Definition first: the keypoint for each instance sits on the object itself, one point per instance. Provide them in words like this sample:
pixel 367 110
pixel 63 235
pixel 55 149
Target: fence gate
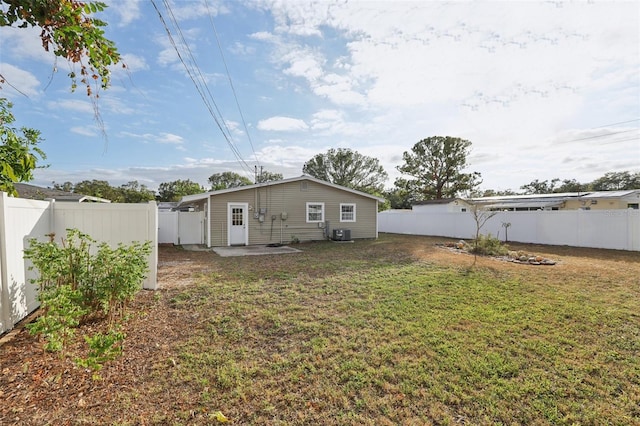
pixel 191 227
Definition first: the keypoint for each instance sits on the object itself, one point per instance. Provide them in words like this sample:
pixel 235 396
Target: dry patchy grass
pixel 391 331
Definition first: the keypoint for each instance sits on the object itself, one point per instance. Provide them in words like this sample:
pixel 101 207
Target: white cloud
pixel 282 124
pixel 291 157
pixel 263 36
pixel 133 62
pixel 85 131
pixel 128 11
pixel 170 138
pixel 72 105
pixel 24 43
pixel 18 81
pixel 161 138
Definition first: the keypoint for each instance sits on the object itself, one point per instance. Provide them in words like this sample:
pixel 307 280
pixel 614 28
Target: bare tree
pixel 480 215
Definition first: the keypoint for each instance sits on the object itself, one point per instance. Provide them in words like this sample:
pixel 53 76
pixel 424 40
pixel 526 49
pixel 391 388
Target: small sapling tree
pixel 480 216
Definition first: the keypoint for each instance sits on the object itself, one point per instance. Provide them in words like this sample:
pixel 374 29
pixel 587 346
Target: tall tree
pixel 571 185
pixel 174 190
pixel 67 186
pixel 399 198
pixel 227 180
pixel 436 165
pixel 267 176
pixel 133 192
pixel 348 168
pixel 18 150
pixel 617 181
pixel 99 188
pixel 540 187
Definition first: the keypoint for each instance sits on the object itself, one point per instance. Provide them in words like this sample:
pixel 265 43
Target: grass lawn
pixel 386 332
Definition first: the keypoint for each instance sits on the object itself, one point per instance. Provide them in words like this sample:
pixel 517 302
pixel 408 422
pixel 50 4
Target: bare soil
pixel 39 388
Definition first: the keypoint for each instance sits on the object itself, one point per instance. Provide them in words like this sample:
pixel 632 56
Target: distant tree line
pixel 432 169
pixel 134 192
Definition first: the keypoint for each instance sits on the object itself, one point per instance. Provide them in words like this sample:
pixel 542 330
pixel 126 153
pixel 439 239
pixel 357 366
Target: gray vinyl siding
pixel 291 197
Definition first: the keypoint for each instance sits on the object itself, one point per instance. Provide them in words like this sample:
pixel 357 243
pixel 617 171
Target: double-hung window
pixel 347 212
pixel 315 212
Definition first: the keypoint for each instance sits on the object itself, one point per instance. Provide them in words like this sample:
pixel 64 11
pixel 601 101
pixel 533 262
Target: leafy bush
pixel 102 348
pixel 75 284
pixel 489 246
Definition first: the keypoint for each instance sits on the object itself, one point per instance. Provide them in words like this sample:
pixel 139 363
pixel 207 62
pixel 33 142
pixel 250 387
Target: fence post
pixel 5 301
pixel 151 283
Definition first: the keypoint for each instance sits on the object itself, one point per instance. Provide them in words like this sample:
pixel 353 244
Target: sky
pixel 542 89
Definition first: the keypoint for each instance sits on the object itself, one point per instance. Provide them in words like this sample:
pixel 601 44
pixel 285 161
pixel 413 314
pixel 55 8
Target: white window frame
pixel 314 203
pixel 342 219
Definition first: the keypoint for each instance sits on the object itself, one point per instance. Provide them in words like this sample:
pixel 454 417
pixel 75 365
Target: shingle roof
pixel 34 192
pixel 205 195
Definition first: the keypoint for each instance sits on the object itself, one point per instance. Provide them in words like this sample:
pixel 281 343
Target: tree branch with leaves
pixel 68 30
pixel 19 150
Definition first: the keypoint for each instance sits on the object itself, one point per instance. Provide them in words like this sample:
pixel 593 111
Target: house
pixel 443 205
pixel 606 200
pixel 594 200
pixel 34 192
pixel 296 209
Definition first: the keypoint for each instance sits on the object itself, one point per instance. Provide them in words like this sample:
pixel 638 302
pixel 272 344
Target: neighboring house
pixel 607 200
pixel 33 192
pixel 443 205
pixel 296 209
pixel 600 200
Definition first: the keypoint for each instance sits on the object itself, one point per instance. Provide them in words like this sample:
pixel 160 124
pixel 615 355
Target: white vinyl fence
pixel 181 228
pixel 22 220
pixel 608 229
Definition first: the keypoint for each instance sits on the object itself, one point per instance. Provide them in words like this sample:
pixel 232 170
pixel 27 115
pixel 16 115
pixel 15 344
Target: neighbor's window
pixel 315 212
pixel 634 206
pixel 347 212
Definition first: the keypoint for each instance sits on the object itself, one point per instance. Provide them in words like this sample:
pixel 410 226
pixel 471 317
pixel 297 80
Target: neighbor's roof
pixel 34 192
pixel 438 201
pixel 559 195
pixel 611 194
pixel 205 195
pixel 524 204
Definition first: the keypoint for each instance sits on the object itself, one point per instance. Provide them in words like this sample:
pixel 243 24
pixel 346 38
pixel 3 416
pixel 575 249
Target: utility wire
pixel 602 136
pixel 200 85
pixel 621 140
pixel 615 124
pixel 244 123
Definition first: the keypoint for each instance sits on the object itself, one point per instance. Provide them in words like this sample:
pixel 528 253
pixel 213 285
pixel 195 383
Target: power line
pixel 233 90
pixel 601 136
pixel 201 85
pixel 615 124
pixel 621 140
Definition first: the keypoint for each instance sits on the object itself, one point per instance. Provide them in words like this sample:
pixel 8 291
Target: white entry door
pixel 237 216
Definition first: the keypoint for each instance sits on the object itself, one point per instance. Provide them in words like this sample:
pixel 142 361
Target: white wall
pixel 608 229
pixel 21 220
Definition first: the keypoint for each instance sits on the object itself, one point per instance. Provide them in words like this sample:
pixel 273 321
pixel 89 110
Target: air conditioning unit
pixel 342 234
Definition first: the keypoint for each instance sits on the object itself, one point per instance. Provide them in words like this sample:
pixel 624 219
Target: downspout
pixel 208 221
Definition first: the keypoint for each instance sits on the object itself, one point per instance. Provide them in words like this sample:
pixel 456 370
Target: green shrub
pixel 75 284
pixel 102 348
pixel 489 246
